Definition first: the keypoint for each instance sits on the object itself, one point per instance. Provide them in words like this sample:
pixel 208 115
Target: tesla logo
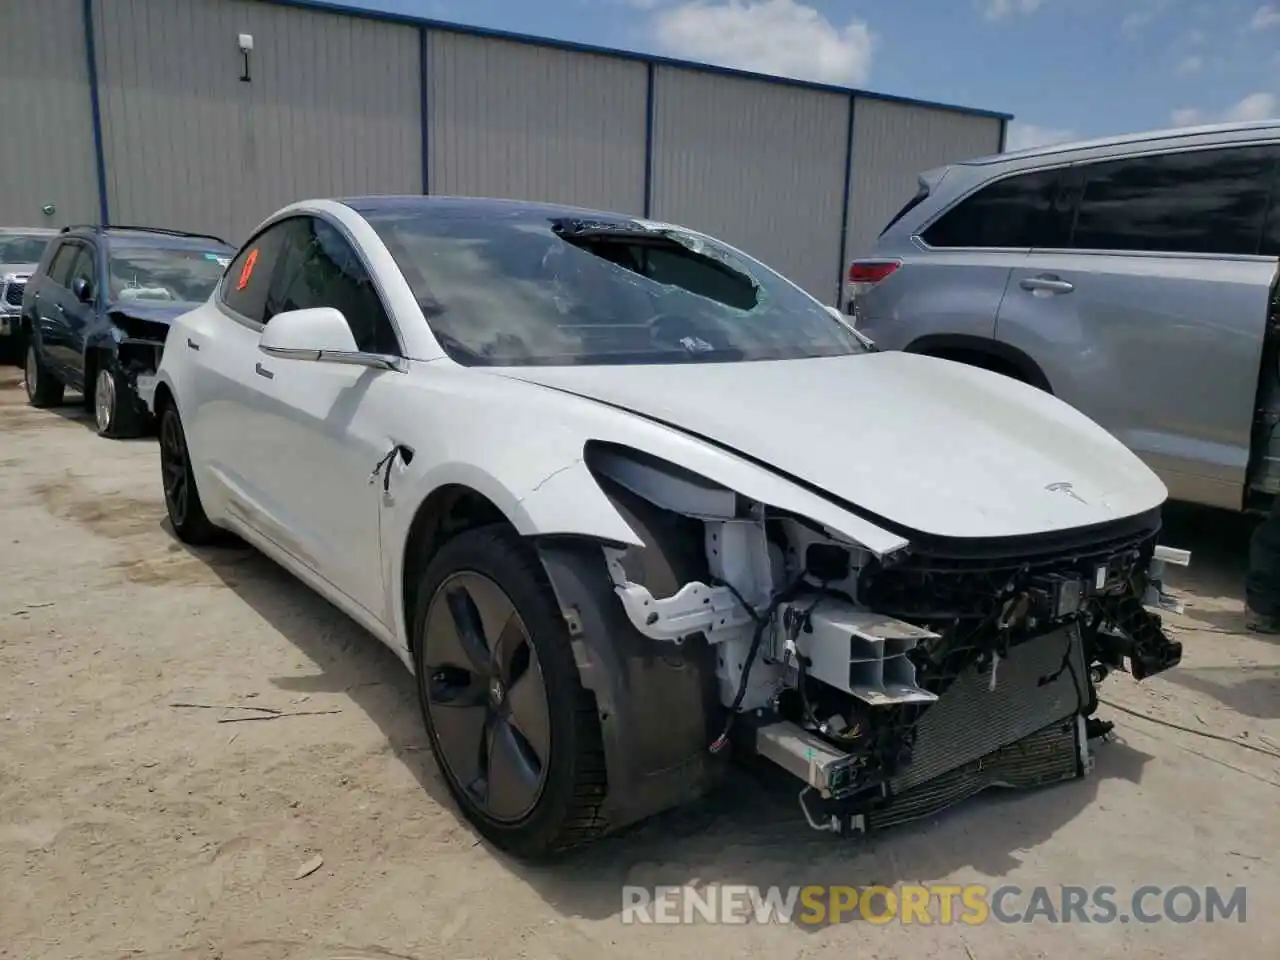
pixel 1066 488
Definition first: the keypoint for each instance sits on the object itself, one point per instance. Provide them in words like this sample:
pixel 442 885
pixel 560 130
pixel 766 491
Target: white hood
pixel 934 446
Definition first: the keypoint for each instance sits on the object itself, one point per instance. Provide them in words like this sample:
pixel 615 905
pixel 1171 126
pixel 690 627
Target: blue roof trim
pixel 844 203
pixel 99 152
pixel 324 6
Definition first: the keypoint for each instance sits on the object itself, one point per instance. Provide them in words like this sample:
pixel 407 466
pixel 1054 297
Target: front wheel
pixel 181 498
pixel 43 388
pixel 514 732
pixel 115 406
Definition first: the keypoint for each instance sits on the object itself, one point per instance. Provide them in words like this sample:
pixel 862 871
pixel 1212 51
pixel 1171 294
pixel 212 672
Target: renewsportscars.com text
pixel 932 904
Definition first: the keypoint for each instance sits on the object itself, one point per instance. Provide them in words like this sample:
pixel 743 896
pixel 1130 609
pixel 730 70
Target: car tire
pixel 514 732
pixel 181 498
pixel 43 388
pixel 116 408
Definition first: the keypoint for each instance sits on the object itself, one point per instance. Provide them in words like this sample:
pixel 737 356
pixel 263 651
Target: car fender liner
pixel 657 702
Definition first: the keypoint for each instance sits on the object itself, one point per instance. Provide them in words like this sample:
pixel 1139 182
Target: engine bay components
pixel 895 686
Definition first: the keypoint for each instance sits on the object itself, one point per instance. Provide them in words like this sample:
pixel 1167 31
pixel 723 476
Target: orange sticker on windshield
pixel 247 270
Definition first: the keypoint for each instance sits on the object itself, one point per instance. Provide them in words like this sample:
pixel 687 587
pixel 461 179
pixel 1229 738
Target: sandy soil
pixel 130 827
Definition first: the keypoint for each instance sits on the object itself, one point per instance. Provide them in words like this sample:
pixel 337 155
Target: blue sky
pixel 1064 68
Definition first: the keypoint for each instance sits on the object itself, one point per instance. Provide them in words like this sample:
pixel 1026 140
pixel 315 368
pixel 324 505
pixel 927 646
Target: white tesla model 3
pixel 628 502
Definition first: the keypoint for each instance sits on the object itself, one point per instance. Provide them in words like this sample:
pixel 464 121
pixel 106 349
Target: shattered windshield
pixel 156 273
pixel 511 290
pixel 22 248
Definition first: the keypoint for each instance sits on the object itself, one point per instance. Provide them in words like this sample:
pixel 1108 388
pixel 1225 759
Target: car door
pixel 77 315
pixel 1149 314
pixel 317 422
pixel 52 299
pixel 947 291
pixel 220 389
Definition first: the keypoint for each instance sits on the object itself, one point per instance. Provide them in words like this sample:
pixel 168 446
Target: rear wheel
pixel 514 732
pixel 43 388
pixel 181 498
pixel 115 406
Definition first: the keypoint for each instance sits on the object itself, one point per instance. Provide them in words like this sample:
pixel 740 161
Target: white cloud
pixel 1022 136
pixel 1256 106
pixel 782 37
pixel 1192 63
pixel 1003 9
pixel 1265 17
pixel 1196 37
pixel 1148 12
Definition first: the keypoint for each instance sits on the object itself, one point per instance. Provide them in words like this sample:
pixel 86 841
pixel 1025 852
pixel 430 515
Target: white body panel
pixel 288 460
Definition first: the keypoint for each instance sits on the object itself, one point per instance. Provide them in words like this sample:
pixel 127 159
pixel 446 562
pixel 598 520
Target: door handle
pixel 262 371
pixel 192 344
pixel 1049 284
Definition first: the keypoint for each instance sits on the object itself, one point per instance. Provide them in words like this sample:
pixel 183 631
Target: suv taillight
pixel 863 277
pixel 867 273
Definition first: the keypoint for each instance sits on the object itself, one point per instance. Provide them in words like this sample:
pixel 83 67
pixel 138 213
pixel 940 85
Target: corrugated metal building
pixel 146 112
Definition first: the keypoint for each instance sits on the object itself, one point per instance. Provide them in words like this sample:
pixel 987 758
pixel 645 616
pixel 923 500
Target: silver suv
pixel 1134 277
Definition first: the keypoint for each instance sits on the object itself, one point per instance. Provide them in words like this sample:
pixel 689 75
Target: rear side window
pixel 60 265
pixel 1018 211
pixel 1203 201
pixel 247 280
pixel 921 195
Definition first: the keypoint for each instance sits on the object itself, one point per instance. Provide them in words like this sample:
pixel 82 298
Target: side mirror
pixel 307 334
pixel 82 289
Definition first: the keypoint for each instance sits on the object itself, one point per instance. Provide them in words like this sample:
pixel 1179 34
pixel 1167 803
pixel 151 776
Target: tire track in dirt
pixel 139 529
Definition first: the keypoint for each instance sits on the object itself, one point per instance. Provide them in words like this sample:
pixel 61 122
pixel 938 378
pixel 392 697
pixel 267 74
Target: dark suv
pixel 96 311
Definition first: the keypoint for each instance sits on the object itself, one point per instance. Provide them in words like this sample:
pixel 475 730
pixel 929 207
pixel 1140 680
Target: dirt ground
pixel 131 827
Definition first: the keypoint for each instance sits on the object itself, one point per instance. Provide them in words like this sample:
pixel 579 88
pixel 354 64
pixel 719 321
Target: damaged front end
pixel 136 347
pixel 891 686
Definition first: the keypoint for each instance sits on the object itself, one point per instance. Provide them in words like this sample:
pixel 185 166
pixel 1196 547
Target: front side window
pixel 320 268
pixel 151 271
pixel 82 268
pixel 60 265
pixel 1203 201
pixel 526 289
pixel 248 279
pixel 1019 211
pixel 20 248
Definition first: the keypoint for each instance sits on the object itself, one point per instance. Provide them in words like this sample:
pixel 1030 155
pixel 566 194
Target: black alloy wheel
pixel 487 696
pixel 181 498
pixel 515 734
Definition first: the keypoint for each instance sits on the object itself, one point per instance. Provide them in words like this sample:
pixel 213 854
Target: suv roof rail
pixel 128 226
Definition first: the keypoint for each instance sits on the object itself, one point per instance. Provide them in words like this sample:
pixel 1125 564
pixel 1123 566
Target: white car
pixel 623 498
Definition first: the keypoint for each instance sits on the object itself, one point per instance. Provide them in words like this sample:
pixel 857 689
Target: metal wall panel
pixel 760 165
pixel 515 120
pixel 332 108
pixel 893 144
pixel 46 151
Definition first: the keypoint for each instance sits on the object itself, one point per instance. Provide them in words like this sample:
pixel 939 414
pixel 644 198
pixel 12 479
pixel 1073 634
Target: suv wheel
pixel 115 406
pixel 43 388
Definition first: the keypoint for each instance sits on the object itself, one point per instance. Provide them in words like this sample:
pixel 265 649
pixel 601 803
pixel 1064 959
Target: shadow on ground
pixel 751 831
pixel 1219 545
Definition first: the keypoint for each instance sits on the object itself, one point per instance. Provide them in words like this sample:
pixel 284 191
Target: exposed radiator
pixel 971 720
pixel 1047 756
